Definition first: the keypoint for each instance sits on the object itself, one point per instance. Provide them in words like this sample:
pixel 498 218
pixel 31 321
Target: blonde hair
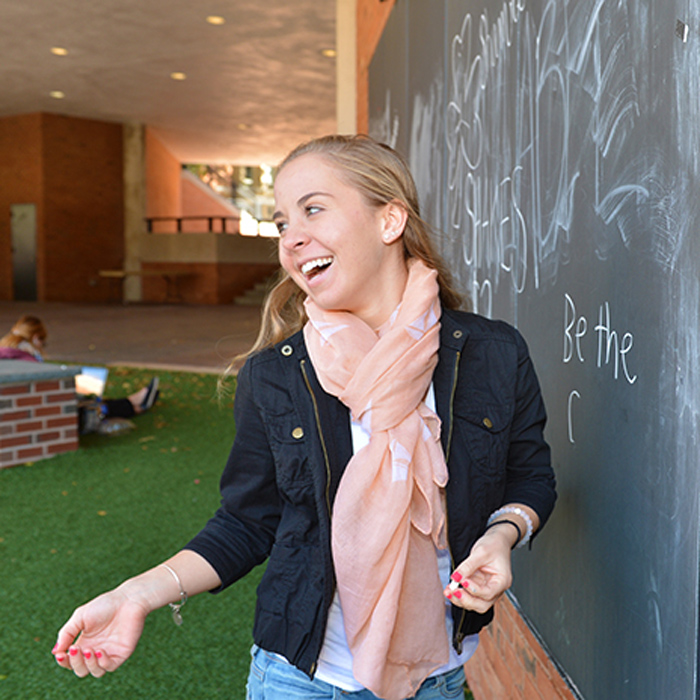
pixel 381 175
pixel 24 330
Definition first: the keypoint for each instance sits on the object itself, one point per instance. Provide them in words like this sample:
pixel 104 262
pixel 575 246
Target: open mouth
pixel 315 267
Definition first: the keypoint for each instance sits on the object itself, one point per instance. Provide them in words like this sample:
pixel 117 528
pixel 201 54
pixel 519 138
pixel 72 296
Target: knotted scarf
pixel 388 515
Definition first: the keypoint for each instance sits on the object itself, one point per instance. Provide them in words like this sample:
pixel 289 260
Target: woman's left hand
pixel 485 574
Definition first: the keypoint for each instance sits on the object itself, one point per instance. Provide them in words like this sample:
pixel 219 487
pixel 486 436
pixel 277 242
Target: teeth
pixel 307 267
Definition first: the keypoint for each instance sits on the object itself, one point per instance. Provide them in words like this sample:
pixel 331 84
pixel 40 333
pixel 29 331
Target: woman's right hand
pixel 107 631
pixel 102 634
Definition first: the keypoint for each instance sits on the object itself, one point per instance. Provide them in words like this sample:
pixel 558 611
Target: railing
pixel 221 220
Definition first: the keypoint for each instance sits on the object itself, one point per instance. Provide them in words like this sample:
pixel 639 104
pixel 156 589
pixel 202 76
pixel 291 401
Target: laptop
pixel 91 381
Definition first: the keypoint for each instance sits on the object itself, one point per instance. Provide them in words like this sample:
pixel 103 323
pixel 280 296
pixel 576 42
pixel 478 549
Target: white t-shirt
pixel 335 660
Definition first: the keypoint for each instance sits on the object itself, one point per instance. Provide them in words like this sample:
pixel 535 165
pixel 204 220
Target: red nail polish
pixel 465 583
pixel 73 651
pixel 98 654
pixel 60 659
pixel 458 594
pixel 456 576
pixel 87 654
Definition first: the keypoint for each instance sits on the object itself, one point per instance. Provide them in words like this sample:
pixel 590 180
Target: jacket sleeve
pixel 241 533
pixel 529 474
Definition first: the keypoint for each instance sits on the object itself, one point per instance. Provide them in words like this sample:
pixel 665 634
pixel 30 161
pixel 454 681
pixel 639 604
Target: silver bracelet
pixel 175 607
pixel 517 511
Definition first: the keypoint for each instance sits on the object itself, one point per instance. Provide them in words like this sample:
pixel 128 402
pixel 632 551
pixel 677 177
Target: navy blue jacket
pixel 293 441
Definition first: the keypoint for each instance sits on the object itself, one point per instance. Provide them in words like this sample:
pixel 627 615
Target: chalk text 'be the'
pixel 613 348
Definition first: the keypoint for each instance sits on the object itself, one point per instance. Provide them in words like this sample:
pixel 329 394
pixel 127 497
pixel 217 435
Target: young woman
pixel 389 454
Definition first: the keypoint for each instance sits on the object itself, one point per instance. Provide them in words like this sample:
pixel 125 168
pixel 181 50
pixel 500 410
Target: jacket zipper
pixel 312 670
pixel 458 634
pixel 452 404
pixel 320 433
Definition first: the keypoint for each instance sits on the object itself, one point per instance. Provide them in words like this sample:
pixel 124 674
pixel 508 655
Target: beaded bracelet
pixel 175 607
pixel 516 511
pixel 507 522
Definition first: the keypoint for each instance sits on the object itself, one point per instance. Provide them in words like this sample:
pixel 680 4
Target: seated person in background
pixel 26 341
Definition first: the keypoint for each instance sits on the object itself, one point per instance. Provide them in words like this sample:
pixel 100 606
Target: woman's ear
pixel 393 222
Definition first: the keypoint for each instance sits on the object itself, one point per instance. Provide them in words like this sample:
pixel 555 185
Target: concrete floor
pixel 192 338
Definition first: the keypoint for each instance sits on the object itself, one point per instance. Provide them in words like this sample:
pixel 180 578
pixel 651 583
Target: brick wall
pixel 38 419
pixel 72 170
pixel 82 166
pixel 206 283
pixel 20 183
pixel 511 664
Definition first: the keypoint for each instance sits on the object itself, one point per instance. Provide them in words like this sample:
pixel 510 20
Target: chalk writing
pixel 608 339
pixel 570 414
pixel 612 348
pixel 513 163
pixel 573 335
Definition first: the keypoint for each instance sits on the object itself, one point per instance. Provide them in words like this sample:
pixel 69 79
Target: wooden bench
pixel 171 277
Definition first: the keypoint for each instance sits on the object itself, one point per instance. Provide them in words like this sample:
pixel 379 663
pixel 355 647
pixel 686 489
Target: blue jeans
pixel 273 679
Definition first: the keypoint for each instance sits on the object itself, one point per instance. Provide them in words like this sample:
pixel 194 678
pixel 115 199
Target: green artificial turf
pixel 80 523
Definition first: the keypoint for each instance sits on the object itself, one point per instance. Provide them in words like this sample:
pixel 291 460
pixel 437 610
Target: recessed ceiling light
pixel 215 19
pixel 59 51
pixel 178 76
pixel 57 94
pixel 329 53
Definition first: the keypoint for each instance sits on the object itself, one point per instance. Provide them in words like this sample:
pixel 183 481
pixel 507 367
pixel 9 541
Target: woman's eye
pixel 281 227
pixel 312 209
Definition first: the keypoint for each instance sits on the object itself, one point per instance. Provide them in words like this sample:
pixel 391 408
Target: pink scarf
pixel 388 514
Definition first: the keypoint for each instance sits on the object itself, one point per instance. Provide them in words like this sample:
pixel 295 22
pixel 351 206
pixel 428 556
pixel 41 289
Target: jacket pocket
pixel 485 429
pixel 289 445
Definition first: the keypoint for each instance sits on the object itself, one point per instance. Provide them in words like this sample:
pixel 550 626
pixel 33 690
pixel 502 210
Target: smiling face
pixel 342 252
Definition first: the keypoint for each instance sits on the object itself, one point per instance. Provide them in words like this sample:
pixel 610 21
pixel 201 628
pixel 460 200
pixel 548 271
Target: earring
pixel 389 236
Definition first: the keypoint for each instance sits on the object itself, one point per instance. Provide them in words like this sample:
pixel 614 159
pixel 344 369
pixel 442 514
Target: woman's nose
pixel 294 237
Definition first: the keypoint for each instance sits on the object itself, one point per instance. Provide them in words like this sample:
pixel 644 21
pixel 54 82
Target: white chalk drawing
pixel 385 128
pixel 538 114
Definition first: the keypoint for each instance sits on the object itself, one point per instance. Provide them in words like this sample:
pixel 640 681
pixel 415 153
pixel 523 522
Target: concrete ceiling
pixel 256 85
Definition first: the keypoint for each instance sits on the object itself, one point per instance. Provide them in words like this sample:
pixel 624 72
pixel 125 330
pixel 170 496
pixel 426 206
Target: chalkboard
pixel 555 145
